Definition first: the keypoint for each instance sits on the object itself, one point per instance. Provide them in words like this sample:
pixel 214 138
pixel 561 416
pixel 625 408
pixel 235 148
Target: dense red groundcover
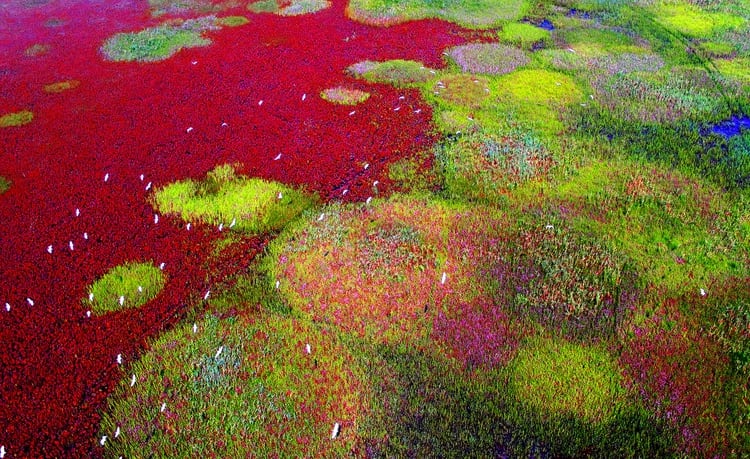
pixel 126 119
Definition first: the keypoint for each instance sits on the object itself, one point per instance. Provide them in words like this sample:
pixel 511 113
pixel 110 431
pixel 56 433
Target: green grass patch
pixel 480 14
pixel 299 7
pixel 488 58
pixel 241 386
pixel 695 22
pixel 124 287
pixel 263 6
pixel 16 119
pixel 4 184
pixel 37 49
pixel 591 42
pixel 232 21
pixel 250 205
pixel 524 35
pixel 397 72
pixel 559 378
pixel 158 43
pixel 344 96
pixel 61 86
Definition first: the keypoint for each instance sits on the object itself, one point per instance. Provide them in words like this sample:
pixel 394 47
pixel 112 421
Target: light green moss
pixel 694 21
pixel 4 184
pixel 61 86
pixel 158 43
pixel 559 378
pixel 16 119
pixel 263 6
pixel 126 286
pixel 397 72
pixel 524 35
pixel 232 21
pixel 238 203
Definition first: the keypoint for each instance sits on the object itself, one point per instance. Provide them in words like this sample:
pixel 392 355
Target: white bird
pixel 418 111
pixel 161 266
pixel 304 96
pixel 7 307
pixel 119 359
pixel 70 244
pixel 278 157
pixel 49 249
pixel 122 300
pixel 194 62
pixel 78 212
pixel 279 196
pixel 103 440
pixel 91 297
pixel 368 200
pixel 352 112
pixel 195 328
pixel 703 292
pixel 88 313
pixel 205 297
pixel 278 284
pixel 221 226
pixel 156 218
pixel 117 432
pixel 260 102
pixel 344 192
pixel 86 236
pixel 30 301
pixel 308 349
pixel 375 183
pixel 106 176
pixel 397 109
pixel 132 380
pixel 148 187
pixel 335 431
pixel 402 98
pixel 366 165
pixel 549 227
pixel 190 129
pixel 141 177
pixel 2 451
pixel 163 407
pixel 188 227
pixel 442 280
pixel 218 353
pixel 322 216
pixel 224 125
pixel 140 289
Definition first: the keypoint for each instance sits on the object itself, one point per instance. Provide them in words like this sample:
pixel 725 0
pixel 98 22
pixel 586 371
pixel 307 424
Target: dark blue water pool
pixel 546 24
pixel 734 126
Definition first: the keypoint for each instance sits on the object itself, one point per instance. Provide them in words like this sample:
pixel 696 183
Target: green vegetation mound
pixel 16 119
pixel 488 58
pixel 250 205
pixel 126 286
pixel 525 35
pixel 693 21
pixel 4 184
pixel 480 14
pixel 396 72
pixel 239 387
pixel 293 8
pixel 61 86
pixel 344 96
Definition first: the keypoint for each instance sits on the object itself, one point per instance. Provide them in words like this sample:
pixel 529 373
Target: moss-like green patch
pixel 463 90
pixel 178 7
pixel 61 86
pixel 396 72
pixel 591 42
pixel 472 13
pixel 525 35
pixel 488 58
pixel 288 8
pixel 384 271
pixel 232 21
pixel 16 119
pixel 694 21
pixel 158 43
pixel 244 386
pixel 263 6
pixel 126 286
pixel 238 203
pixel 344 96
pixel 562 379
pixel 4 184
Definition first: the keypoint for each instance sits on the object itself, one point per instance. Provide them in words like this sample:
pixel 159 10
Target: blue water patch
pixel 732 127
pixel 546 24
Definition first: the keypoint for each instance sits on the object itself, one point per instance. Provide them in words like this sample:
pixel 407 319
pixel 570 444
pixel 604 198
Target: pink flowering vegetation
pixel 249 385
pixel 488 58
pixel 680 366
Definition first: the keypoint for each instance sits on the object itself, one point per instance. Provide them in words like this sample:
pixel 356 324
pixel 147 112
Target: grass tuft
pixel 344 96
pixel 61 86
pixel 396 72
pixel 525 35
pixel 479 14
pixel 135 283
pixel 16 119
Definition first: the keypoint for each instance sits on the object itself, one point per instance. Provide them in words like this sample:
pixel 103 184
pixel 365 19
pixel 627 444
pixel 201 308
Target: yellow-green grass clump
pixel 125 286
pixel 480 14
pixel 164 7
pixel 250 205
pixel 344 96
pixel 232 21
pixel 462 89
pixel 245 386
pixel 61 86
pixel 16 118
pixel 36 50
pixel 4 184
pixel 159 42
pixel 561 379
pixel 485 166
pixel 525 35
pixel 536 96
pixel 593 42
pixel 693 21
pixel 397 72
pixel 293 8
pixel 385 271
pixel 681 234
